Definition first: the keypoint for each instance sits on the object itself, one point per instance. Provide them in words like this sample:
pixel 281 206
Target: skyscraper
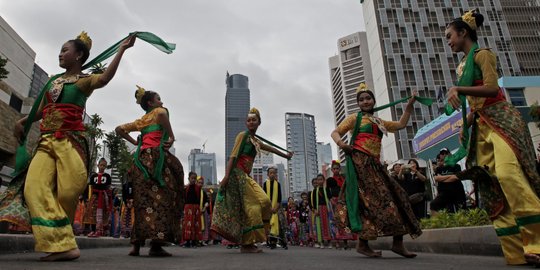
pixel 236 109
pixel 350 67
pixel 204 164
pixel 324 155
pixel 302 140
pixel 408 51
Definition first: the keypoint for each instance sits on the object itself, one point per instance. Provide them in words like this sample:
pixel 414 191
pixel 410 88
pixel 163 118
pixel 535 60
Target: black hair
pixel 313 180
pixel 415 162
pixel 148 95
pixel 320 175
pixel 192 173
pixel 460 25
pixel 102 159
pixel 81 47
pixel 270 168
pixel 303 193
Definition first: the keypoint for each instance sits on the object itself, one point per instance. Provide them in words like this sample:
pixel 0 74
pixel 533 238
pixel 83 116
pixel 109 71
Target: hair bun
pixel 478 18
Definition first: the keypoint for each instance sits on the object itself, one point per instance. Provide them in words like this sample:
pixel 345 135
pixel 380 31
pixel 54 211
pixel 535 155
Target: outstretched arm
pixel 122 133
pixel 407 114
pixel 107 76
pixel 271 149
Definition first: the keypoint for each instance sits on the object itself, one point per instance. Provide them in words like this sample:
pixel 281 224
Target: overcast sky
pixel 283 47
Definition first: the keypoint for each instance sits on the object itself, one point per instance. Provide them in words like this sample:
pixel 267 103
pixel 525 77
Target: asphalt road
pixel 218 257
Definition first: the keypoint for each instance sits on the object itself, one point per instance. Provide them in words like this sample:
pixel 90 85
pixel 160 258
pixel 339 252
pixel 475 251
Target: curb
pixel 23 243
pixel 480 240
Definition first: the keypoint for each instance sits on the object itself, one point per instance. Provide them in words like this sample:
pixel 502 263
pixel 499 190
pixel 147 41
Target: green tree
pixel 94 133
pixel 98 68
pixel 3 71
pixel 121 158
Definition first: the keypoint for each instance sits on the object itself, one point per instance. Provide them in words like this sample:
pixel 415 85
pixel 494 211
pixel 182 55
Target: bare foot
pixel 62 256
pixel 134 250
pixel 250 249
pixel 401 250
pixel 158 251
pixel 364 249
pixel 533 259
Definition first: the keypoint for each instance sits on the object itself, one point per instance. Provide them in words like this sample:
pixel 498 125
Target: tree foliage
pixel 3 70
pixel 94 133
pixel 121 158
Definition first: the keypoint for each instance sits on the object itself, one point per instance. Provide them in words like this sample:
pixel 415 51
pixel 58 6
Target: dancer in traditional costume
pixel 157 176
pixel 242 208
pixel 322 212
pixel 98 209
pixel 272 188
pixel 205 204
pixel 304 220
pixel 193 222
pixel 57 174
pixel 376 203
pixel 500 140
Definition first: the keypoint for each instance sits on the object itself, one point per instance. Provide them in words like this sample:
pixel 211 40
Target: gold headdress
pixel 255 112
pixel 469 19
pixel 83 36
pixel 139 94
pixel 362 87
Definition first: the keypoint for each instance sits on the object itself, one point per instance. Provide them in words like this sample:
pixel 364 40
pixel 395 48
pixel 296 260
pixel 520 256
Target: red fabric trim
pixel 245 162
pixel 71 117
pixel 360 140
pixel 339 179
pixel 491 100
pixel 152 139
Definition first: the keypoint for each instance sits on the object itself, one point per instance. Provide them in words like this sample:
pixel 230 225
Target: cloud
pixel 282 46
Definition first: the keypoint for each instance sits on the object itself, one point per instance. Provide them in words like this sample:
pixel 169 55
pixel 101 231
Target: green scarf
pixel 351 186
pixel 22 159
pixel 466 79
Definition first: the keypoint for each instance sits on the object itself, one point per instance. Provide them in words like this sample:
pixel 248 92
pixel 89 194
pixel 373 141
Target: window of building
pixel 15 102
pixel 517 97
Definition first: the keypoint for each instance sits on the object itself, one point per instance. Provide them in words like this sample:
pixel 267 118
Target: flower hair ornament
pixel 139 94
pixel 469 18
pixel 83 36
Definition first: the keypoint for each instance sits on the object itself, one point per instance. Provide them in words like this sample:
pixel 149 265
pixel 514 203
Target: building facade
pixel 237 103
pixel 350 67
pixel 302 140
pixel 204 164
pixel 324 156
pixel 408 51
pixel 17 93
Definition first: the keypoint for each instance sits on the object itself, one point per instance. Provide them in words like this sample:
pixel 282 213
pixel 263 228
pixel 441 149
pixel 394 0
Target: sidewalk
pixel 22 243
pixel 466 240
pixel 480 240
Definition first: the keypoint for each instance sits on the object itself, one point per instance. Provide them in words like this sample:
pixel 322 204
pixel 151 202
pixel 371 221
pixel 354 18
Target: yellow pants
pixel 518 226
pixel 56 177
pixel 257 209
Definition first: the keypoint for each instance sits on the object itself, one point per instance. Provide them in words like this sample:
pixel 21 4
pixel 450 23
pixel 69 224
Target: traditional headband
pixel 362 88
pixel 469 18
pixel 83 36
pixel 254 111
pixel 336 162
pixel 139 94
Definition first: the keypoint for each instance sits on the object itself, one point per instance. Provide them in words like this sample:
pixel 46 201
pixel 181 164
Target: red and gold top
pixel 150 139
pixel 245 153
pixel 370 135
pixel 65 101
pixel 485 74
